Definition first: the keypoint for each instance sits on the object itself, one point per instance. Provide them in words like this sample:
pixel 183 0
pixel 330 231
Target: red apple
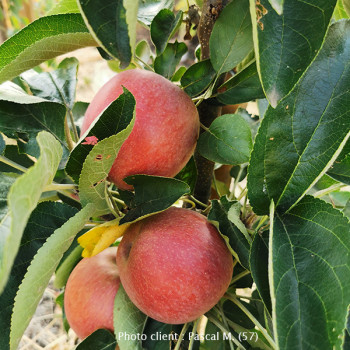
pixel 90 292
pixel 166 125
pixel 174 265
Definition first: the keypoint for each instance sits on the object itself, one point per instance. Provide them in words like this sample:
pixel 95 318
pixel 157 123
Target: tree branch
pixel 207 112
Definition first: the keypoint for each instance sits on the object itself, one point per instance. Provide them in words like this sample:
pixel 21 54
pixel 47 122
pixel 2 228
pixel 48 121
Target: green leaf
pixel 189 174
pixel 100 339
pixel 242 87
pixel 67 266
pixel 198 77
pixel 227 141
pixel 154 328
pixel 258 261
pixel 153 194
pixel 119 36
pixel 277 5
pixel 143 51
pixel 6 181
pixel 11 152
pixel 231 39
pixel 40 271
pixel 92 183
pixel 23 116
pixel 148 9
pixel 236 315
pixel 115 118
pixel 45 38
pixel 64 6
pixel 341 171
pixel 58 85
pixel 346 4
pixel 44 220
pixel 23 198
pixel 166 63
pixel 128 319
pixel 178 74
pixel 294 148
pixel 163 27
pixel 234 238
pixel 339 12
pixel 286 44
pixel 307 277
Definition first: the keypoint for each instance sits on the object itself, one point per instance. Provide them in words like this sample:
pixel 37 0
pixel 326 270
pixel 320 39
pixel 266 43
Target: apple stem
pixel 252 318
pixel 193 205
pixel 223 329
pixel 181 336
pixel 221 310
pixel 12 164
pixel 261 222
pixel 194 330
pixel 235 183
pixel 199 202
pixel 112 205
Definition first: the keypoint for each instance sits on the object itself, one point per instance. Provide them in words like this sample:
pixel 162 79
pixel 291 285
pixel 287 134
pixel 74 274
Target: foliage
pixel 286 209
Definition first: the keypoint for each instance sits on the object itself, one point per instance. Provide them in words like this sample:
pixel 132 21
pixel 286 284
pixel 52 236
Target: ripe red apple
pixel 174 265
pixel 166 125
pixel 90 292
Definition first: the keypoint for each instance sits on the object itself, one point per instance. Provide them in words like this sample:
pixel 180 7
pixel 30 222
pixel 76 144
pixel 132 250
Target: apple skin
pixel 90 292
pixel 174 265
pixel 166 125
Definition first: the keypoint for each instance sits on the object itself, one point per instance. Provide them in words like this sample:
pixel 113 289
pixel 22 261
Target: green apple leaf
pixel 198 77
pixel 63 271
pixel 189 174
pixel 128 319
pixel 45 38
pixel 58 85
pixel 148 9
pixel 100 339
pixel 258 261
pixel 339 12
pixel 277 5
pixel 166 63
pixel 23 116
pixel 346 4
pixel 153 194
pixel 306 277
pixel 115 118
pixel 341 171
pixel 151 330
pixel 6 181
pixel 118 38
pixel 231 39
pixel 227 141
pixel 11 153
pixel 164 25
pixel 178 74
pixel 242 87
pixel 64 6
pixel 43 221
pixel 98 163
pixel 23 198
pixel 286 44
pixel 234 238
pixel 300 139
pixel 40 271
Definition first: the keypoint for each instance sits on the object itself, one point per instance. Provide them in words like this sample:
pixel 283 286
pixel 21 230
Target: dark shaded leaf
pixel 198 77
pixel 306 277
pixel 163 27
pixel 148 9
pixel 242 87
pixel 286 44
pixel 300 139
pixel 188 174
pixel 238 244
pixel 166 63
pixel 153 194
pixel 100 339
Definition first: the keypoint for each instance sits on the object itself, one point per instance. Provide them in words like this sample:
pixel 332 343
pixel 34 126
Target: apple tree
pixel 269 81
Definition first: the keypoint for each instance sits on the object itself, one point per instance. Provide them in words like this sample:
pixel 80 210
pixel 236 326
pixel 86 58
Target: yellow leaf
pixel 101 237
